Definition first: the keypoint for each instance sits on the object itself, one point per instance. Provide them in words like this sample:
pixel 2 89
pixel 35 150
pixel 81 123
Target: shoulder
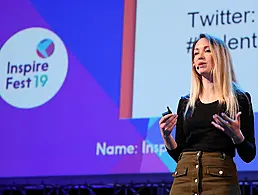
pixel 183 101
pixel 244 100
pixel 243 97
pixel 185 97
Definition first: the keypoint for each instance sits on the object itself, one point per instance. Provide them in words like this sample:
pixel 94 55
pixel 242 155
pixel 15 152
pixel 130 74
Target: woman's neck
pixel 208 94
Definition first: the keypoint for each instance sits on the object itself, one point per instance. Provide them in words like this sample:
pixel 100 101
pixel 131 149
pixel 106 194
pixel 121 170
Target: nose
pixel 201 55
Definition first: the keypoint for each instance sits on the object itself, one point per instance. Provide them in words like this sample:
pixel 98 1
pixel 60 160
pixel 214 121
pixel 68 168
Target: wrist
pixel 166 136
pixel 238 138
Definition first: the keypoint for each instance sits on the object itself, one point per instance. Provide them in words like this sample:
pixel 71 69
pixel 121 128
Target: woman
pixel 213 122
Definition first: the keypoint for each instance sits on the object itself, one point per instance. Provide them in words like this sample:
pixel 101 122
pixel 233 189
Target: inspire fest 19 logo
pixel 45 49
pixel 33 67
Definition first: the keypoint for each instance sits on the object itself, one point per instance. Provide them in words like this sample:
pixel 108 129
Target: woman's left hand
pixel 229 126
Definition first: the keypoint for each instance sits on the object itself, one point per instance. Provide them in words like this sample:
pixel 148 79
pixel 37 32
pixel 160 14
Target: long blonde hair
pixel 224 79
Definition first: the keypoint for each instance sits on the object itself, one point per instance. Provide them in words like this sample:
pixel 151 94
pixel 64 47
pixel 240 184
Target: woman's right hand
pixel 167 123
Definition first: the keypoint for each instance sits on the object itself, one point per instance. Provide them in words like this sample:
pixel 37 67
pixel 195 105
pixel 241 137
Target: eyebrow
pixel 203 47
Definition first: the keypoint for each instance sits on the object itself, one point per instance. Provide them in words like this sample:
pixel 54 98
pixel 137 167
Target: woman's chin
pixel 205 74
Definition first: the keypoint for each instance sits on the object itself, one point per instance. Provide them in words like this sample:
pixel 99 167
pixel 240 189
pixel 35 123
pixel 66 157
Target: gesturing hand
pixel 167 123
pixel 229 126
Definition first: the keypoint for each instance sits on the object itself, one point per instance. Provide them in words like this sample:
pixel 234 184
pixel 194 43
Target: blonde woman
pixel 212 123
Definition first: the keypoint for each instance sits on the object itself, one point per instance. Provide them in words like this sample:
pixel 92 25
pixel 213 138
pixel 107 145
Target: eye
pixel 196 53
pixel 208 50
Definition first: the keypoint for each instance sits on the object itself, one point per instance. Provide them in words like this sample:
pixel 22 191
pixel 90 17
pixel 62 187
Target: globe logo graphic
pixel 45 48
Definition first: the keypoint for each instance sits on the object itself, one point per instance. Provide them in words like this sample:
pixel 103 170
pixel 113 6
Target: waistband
pixel 203 154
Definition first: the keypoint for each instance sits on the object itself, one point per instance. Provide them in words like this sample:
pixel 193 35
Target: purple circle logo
pixel 45 48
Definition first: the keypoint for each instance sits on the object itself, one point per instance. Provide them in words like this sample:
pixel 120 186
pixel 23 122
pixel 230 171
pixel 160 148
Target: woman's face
pixel 203 59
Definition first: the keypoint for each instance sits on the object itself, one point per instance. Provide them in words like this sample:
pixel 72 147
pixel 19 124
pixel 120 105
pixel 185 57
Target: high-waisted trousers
pixel 205 173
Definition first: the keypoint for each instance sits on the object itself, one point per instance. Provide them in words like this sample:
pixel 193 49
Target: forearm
pixel 169 142
pixel 246 150
pixel 245 141
pixel 175 145
pixel 172 147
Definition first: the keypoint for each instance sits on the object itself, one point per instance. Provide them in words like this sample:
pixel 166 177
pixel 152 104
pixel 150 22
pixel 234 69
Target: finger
pixel 226 118
pixel 163 125
pixel 169 127
pixel 171 119
pixel 238 116
pixel 216 119
pixel 168 122
pixel 164 118
pixel 172 124
pixel 174 121
pixel 220 120
pixel 217 126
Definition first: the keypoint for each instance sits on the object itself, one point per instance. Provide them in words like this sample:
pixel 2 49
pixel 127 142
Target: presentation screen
pixel 82 93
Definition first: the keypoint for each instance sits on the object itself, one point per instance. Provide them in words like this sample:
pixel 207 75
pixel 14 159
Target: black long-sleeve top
pixel 195 132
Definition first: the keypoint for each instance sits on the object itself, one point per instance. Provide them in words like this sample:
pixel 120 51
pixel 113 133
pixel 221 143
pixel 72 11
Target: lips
pixel 201 63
